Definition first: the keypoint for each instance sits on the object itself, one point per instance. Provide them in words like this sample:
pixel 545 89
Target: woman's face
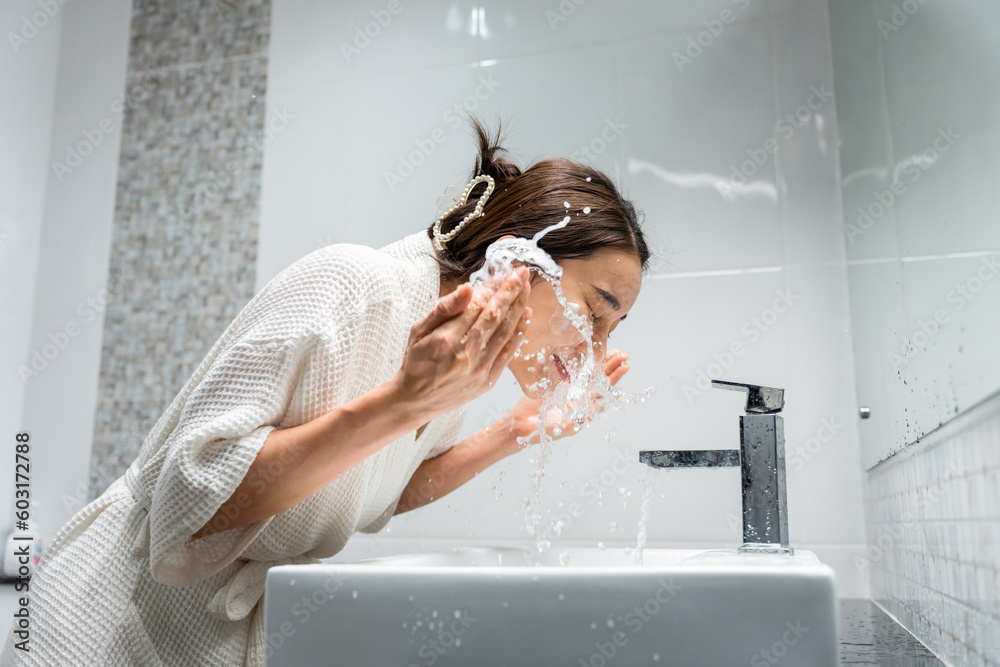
pixel 604 287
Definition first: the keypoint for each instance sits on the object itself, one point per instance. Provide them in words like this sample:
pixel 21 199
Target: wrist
pixel 504 435
pixel 414 411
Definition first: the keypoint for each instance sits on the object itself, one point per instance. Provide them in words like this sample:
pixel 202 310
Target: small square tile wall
pixel 184 240
pixel 933 518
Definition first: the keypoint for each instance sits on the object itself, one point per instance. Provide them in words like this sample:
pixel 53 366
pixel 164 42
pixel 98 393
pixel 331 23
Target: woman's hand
pixel 458 350
pixel 522 420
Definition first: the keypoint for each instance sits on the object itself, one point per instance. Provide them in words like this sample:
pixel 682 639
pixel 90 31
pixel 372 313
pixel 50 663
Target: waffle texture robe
pixel 119 586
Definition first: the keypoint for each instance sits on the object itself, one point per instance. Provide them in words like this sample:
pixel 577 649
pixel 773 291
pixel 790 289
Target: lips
pixel 560 367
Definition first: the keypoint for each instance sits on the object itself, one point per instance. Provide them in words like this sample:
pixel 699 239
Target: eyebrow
pixel 611 299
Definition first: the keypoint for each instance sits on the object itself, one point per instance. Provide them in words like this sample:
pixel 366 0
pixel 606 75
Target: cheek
pixel 550 330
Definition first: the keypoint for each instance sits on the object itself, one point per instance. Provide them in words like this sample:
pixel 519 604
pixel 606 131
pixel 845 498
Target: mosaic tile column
pixel 184 241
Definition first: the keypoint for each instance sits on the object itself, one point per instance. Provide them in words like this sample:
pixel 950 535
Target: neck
pixel 447 287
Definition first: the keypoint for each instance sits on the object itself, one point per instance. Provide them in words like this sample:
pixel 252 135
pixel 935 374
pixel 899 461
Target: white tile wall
pixel 933 556
pixel 681 131
pixel 28 79
pixel 73 235
pixel 919 147
pixel 918 106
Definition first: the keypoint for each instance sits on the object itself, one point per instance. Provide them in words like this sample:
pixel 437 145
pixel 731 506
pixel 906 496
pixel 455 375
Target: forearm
pixel 446 472
pixel 294 463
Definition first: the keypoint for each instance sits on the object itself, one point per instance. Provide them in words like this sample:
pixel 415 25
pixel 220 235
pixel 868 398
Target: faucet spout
pixel 698 458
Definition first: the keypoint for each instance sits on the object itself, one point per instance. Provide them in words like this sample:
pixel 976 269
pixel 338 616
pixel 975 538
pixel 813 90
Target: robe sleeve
pixel 242 397
pixel 221 430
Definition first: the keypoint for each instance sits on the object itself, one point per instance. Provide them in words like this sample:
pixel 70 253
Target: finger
pixel 511 322
pixel 493 314
pixel 446 308
pixel 618 373
pixel 614 361
pixel 505 354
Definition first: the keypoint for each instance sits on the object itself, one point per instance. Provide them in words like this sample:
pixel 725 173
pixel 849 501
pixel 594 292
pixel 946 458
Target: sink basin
pixel 585 607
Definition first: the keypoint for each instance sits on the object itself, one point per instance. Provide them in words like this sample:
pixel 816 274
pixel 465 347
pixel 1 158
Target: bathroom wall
pixel 28 77
pixel 61 134
pixel 918 103
pixel 719 120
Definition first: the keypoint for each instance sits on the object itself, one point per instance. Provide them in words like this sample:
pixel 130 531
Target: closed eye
pixel 595 318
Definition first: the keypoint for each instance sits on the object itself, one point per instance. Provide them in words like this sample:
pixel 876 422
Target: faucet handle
pixel 760 400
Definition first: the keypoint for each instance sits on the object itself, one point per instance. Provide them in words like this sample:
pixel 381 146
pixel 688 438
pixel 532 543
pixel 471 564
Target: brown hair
pixel 525 203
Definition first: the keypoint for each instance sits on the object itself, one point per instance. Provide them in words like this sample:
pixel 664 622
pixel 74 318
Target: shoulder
pixel 318 293
pixel 337 276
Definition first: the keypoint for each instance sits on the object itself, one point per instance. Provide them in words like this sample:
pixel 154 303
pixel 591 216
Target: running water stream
pixel 645 479
pixel 576 400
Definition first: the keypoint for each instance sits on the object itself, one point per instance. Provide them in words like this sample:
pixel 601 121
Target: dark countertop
pixel 868 636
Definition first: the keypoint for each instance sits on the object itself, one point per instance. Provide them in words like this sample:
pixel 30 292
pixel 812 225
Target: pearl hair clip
pixel 441 239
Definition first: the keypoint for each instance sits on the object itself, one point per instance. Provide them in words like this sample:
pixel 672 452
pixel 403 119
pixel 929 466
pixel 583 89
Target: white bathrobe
pixel 119 586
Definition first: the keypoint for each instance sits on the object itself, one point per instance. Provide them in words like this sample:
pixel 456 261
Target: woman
pixel 331 403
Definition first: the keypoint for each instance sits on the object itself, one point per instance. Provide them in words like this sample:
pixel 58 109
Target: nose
pixel 600 342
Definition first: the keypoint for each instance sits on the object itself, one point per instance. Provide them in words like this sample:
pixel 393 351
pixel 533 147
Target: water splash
pixel 575 400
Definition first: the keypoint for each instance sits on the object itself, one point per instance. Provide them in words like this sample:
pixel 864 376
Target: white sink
pixel 498 607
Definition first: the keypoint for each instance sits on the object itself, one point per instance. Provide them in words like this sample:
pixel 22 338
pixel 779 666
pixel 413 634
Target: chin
pixel 532 393
pixel 525 382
